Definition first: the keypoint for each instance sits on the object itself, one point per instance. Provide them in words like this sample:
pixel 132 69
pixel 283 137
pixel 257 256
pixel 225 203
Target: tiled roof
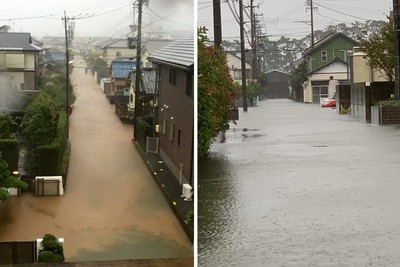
pixel 17 41
pixel 121 68
pixel 179 53
pixel 148 83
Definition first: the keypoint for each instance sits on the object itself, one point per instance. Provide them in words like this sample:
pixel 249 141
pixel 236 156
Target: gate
pixel 47 187
pixel 17 252
pixel 151 145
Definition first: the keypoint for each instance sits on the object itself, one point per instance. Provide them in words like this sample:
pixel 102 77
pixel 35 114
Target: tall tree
pixel 215 93
pixel 380 49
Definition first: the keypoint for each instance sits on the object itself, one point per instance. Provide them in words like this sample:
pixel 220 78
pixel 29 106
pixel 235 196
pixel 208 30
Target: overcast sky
pixel 98 17
pixel 290 18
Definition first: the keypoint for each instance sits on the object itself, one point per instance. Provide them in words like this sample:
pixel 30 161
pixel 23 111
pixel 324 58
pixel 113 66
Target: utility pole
pixel 66 72
pixel 243 57
pixel 253 42
pixel 217 23
pixel 138 69
pixel 310 3
pixel 396 24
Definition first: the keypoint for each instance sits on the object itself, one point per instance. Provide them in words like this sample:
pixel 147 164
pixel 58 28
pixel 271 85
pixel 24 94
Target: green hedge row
pixel 51 157
pixel 10 152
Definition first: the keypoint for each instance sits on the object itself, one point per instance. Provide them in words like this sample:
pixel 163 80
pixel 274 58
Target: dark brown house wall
pixel 278 85
pixel 176 116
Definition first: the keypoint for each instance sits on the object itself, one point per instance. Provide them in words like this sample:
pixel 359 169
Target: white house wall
pixel 233 63
pixel 332 73
pixel 111 53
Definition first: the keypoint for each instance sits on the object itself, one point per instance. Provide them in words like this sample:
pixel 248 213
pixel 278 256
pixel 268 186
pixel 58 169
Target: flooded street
pixel 297 185
pixel 113 208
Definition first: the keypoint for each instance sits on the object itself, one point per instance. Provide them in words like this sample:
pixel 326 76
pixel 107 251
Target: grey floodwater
pixel 297 185
pixel 113 209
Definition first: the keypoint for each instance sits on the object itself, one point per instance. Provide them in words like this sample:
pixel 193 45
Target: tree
pixel 380 49
pixel 54 86
pixel 7 180
pixel 52 251
pixel 253 91
pixel 38 127
pixel 5 126
pixel 297 77
pixel 215 93
pixel 263 84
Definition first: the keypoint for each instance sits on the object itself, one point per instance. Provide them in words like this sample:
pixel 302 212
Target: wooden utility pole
pixel 138 69
pixel 243 57
pixel 396 25
pixel 217 23
pixel 254 68
pixel 310 3
pixel 66 73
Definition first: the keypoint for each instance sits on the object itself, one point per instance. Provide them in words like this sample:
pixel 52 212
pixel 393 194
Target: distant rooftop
pixel 179 53
pixel 17 41
pixel 121 68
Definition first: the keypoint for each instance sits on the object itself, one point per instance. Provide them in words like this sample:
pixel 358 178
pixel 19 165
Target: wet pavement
pixel 297 185
pixel 113 209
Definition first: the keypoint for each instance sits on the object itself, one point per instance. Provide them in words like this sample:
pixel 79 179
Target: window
pixel 237 74
pixel 180 137
pixel 172 76
pixel 172 133
pixel 118 54
pixel 324 56
pixel 164 127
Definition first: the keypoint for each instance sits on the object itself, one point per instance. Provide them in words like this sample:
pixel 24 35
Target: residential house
pixel 278 84
pixel 120 70
pixel 368 86
pixel 19 66
pixel 147 99
pixel 118 49
pixel 175 113
pixel 150 46
pixel 327 66
pixel 235 67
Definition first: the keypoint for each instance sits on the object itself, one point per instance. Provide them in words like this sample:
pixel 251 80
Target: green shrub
pixel 52 251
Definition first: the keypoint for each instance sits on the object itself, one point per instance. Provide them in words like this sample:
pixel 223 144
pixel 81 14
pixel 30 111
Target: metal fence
pixel 21 252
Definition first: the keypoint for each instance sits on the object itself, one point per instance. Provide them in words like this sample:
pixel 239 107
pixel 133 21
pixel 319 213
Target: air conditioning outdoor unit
pixel 187 192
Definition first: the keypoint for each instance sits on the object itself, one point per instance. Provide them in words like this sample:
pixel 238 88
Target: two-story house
pixel 175 114
pixel 116 50
pixel 235 67
pixel 327 66
pixel 19 66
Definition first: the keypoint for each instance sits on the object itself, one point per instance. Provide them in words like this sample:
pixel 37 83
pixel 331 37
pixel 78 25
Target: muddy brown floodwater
pixel 112 209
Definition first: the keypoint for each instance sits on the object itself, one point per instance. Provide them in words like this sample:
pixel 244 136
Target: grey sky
pixel 104 17
pixel 290 18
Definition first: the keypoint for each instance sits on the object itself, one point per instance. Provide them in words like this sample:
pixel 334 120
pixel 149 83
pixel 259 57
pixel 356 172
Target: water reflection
pixel 297 185
pixel 217 207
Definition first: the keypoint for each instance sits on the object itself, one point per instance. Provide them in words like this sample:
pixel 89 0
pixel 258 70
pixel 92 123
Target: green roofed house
pixel 327 66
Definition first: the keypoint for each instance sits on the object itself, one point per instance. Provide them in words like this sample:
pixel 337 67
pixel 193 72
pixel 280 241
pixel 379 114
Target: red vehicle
pixel 329 103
